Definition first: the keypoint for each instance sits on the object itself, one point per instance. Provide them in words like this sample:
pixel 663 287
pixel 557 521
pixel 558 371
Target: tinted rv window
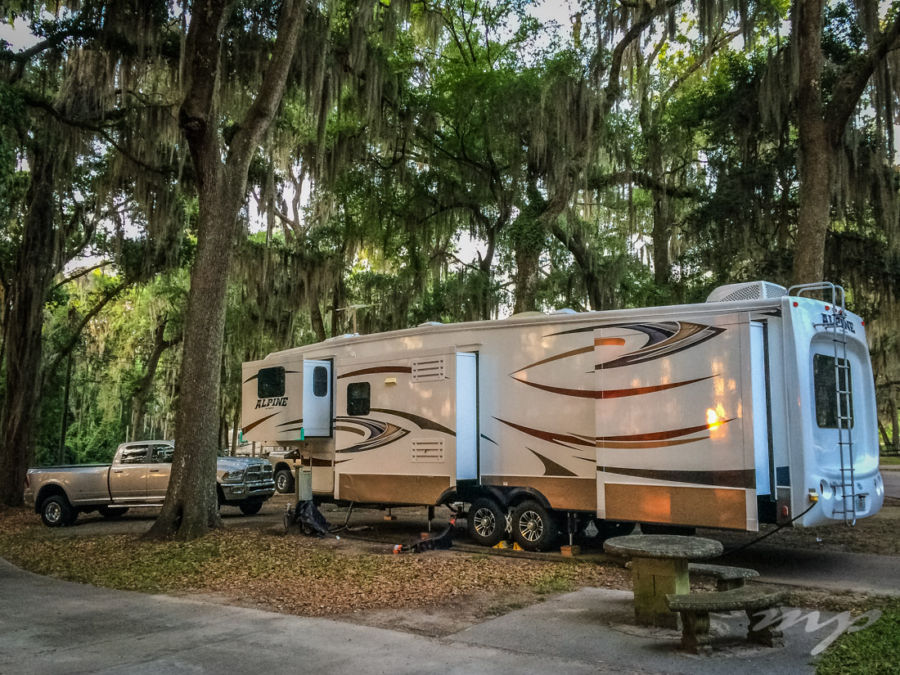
pixel 320 381
pixel 832 385
pixel 358 398
pixel 270 383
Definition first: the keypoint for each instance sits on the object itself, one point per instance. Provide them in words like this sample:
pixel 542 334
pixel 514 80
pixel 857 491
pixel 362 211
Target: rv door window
pixel 320 381
pixel 270 382
pixel 830 383
pixel 358 398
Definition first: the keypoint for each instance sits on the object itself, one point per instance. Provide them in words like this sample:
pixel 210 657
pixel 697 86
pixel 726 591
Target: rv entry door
pixel 317 396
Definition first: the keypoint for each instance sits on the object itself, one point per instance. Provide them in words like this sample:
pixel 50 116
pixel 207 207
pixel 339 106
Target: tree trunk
pixel 191 506
pixel 315 316
pixel 32 275
pixel 190 509
pixel 814 148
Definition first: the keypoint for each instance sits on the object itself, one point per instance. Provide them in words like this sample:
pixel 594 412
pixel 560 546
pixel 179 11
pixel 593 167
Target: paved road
pixel 49 626
pixel 891 479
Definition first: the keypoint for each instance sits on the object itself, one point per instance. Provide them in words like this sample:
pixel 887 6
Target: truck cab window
pixel 270 382
pixel 832 385
pixel 161 454
pixel 358 398
pixel 134 456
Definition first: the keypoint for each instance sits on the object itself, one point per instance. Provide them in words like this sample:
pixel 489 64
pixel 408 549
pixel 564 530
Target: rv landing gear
pixel 533 528
pixel 486 522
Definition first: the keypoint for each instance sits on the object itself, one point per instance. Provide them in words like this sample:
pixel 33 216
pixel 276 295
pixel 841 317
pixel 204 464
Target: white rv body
pixel 713 415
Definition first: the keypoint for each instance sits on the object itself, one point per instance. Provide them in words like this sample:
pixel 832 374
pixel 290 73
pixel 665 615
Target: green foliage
pixel 872 650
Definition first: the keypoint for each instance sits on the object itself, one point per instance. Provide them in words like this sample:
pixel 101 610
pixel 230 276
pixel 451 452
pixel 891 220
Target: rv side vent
pixel 427 450
pixel 751 290
pixel 428 370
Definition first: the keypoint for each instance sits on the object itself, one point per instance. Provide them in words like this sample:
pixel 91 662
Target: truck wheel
pixel 56 511
pixel 250 508
pixel 284 481
pixel 111 513
pixel 534 529
pixel 486 522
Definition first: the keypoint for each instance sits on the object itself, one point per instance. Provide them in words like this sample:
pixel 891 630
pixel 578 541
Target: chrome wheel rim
pixel 281 482
pixel 484 522
pixel 531 526
pixel 53 512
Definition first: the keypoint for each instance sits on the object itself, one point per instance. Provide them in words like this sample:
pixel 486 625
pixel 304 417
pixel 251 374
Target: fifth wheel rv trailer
pixel 757 406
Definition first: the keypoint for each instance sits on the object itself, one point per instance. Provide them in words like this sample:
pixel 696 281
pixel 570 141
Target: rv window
pixel 320 381
pixel 358 398
pixel 829 386
pixel 270 383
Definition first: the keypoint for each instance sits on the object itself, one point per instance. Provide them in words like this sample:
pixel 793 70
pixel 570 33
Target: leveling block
pixel 514 546
pixel 442 541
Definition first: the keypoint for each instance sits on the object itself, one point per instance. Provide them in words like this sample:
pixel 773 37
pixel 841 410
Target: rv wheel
pixel 533 527
pixel 284 481
pixel 486 522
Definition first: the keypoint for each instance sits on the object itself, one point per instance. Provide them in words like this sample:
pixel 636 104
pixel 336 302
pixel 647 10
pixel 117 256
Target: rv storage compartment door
pixel 271 405
pixel 674 422
pixel 316 399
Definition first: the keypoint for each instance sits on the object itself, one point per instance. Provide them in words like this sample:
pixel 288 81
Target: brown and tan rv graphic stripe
pixel 655 439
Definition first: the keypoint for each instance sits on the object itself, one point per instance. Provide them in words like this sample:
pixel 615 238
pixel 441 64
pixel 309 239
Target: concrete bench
pixel 726 577
pixel 695 608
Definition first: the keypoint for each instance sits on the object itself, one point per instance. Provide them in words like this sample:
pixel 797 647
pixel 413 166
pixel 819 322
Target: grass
pixel 889 460
pixel 873 650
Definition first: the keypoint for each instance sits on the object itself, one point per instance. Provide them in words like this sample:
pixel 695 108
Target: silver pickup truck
pixel 138 477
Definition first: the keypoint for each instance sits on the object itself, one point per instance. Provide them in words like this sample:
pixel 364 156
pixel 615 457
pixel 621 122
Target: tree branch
pixel 854 78
pixel 76 335
pixel 80 273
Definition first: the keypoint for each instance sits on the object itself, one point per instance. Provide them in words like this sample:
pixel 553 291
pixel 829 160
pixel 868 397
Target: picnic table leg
pixel 653 578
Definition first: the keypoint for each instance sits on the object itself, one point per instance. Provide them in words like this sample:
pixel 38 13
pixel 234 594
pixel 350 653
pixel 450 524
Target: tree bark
pixel 190 509
pixel 31 277
pixel 815 153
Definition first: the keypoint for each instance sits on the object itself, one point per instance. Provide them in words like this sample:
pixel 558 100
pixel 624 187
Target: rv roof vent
pixel 564 310
pixel 750 290
pixel 430 323
pixel 342 337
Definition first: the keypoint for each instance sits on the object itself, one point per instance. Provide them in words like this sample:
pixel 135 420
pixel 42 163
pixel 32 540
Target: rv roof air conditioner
pixel 750 290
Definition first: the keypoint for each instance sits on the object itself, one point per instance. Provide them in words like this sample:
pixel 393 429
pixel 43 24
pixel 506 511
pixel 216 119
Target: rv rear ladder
pixel 847 506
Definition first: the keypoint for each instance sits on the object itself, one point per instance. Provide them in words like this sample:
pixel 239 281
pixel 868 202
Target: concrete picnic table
pixel 659 565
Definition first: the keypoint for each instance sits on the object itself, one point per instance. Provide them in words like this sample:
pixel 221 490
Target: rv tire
pixel 533 526
pixel 486 522
pixel 284 481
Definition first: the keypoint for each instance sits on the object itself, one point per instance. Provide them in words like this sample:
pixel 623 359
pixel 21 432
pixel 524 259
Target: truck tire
pixel 284 481
pixel 56 511
pixel 110 513
pixel 250 508
pixel 533 527
pixel 486 522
